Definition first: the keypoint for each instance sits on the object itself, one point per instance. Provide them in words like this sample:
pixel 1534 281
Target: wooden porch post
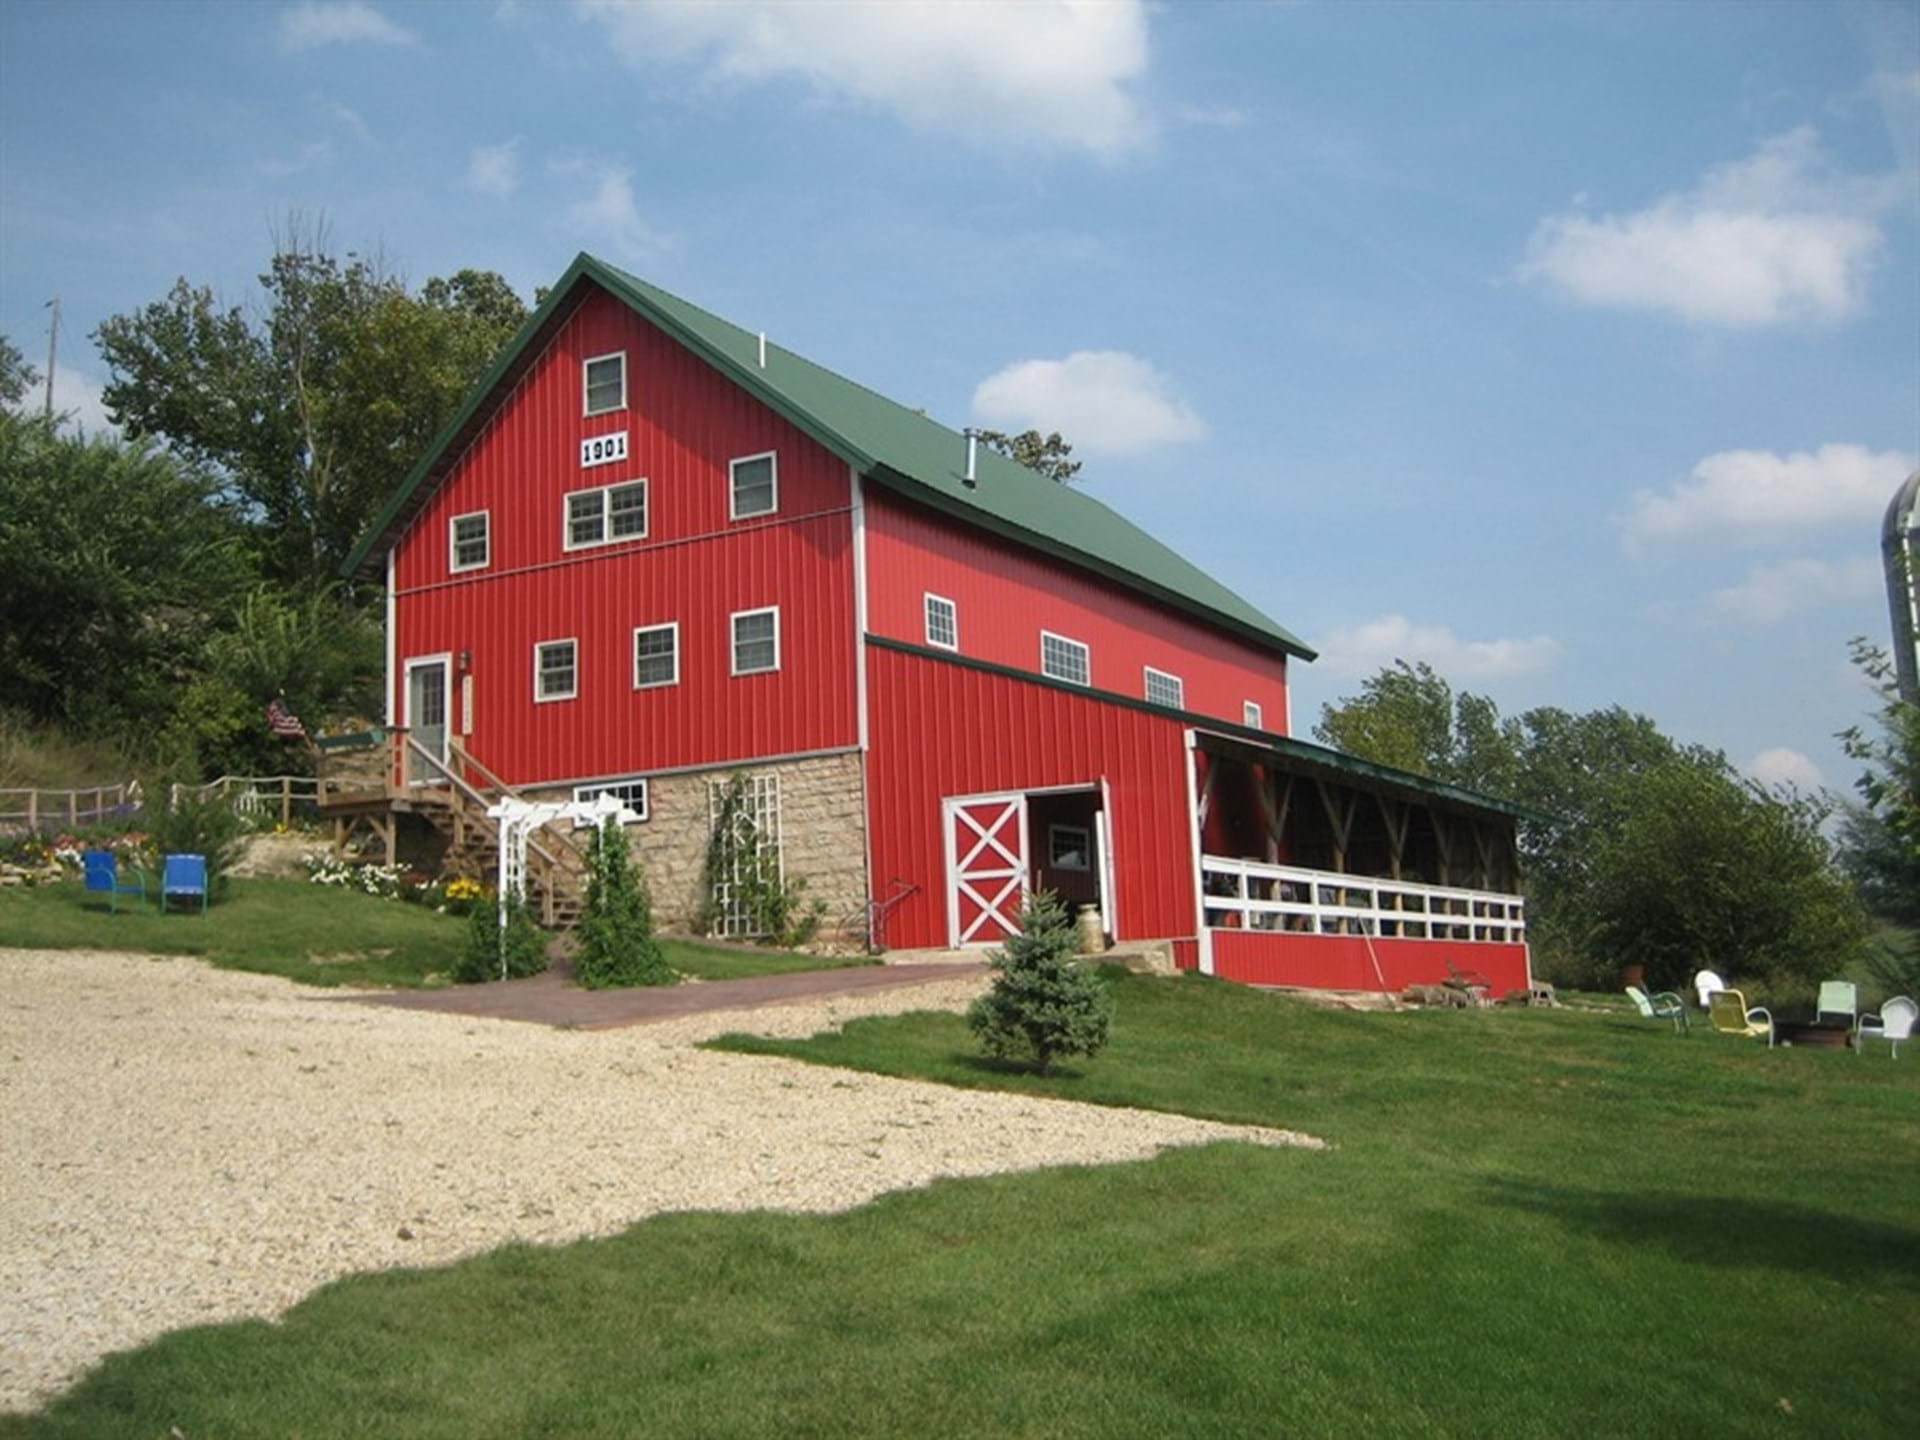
pixel 1342 826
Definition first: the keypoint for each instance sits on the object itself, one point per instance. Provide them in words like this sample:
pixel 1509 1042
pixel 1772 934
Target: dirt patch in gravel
pixel 187 1145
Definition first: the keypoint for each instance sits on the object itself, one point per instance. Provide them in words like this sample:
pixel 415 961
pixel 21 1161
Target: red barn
pixel 654 551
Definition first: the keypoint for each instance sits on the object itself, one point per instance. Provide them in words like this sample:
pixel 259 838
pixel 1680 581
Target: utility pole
pixel 53 342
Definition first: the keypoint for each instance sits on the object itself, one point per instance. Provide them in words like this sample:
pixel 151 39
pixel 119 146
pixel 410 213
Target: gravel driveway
pixel 185 1145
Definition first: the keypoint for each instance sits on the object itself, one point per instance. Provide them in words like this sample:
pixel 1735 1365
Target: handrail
pixel 1252 895
pixel 477 798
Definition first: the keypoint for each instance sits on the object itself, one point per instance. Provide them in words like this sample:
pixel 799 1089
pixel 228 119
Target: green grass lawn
pixel 1530 1224
pixel 315 934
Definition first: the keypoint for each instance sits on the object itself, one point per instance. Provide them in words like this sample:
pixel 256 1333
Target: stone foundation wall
pixel 822 832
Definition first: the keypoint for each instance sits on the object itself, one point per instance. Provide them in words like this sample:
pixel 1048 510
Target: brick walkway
pixel 553 999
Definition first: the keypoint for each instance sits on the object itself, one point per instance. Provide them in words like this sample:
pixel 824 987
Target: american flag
pixel 285 723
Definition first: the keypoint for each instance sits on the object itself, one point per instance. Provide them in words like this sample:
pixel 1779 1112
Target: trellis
pixel 747 838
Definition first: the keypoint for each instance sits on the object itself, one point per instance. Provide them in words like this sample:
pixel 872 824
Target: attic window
pixel 1165 689
pixel 607 514
pixel 604 379
pixel 1250 716
pixel 1065 659
pixel 755 485
pixel 467 542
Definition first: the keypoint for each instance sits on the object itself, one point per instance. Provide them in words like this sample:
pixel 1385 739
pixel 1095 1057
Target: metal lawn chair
pixel 1705 982
pixel 1667 1005
pixel 1838 998
pixel 186 876
pixel 103 875
pixel 1732 1016
pixel 1893 1024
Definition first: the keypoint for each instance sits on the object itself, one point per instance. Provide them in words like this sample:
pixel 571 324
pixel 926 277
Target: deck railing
pixel 258 797
pixel 34 810
pixel 1251 895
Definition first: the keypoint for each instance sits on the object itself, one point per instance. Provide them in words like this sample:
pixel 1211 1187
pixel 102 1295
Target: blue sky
pixel 1573 348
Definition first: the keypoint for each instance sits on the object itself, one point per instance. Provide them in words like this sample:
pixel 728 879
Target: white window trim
pixel 607 537
pixel 1080 645
pixel 926 620
pixel 585 409
pixel 642 813
pixel 733 640
pixel 1251 715
pixel 1086 846
pixel 1181 685
pixel 454 567
pixel 772 457
pixel 540 645
pixel 638 631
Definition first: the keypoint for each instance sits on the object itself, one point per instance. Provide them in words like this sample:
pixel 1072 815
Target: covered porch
pixel 1323 871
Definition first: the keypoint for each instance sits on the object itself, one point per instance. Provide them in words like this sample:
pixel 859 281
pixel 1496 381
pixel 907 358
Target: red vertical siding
pixel 940 729
pixel 1006 595
pixel 1342 962
pixel 684 423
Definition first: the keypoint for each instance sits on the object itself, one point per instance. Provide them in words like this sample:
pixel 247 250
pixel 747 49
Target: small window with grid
pixel 556 672
pixel 943 623
pixel 1068 847
pixel 632 795
pixel 656 656
pixel 467 534
pixel 1165 689
pixel 604 379
pixel 1065 659
pixel 756 486
pixel 609 513
pixel 1250 716
pixel 756 641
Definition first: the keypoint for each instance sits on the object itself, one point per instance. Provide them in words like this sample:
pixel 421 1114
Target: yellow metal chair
pixel 1732 1016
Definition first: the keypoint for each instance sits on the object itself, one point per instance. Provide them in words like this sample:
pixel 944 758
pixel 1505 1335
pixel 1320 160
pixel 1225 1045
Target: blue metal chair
pixel 184 875
pixel 103 875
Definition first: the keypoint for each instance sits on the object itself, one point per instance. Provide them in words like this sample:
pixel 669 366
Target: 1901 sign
pixel 603 449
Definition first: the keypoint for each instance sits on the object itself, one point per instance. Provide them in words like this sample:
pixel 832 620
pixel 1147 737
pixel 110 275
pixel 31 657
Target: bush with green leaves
pixel 197 824
pixel 617 947
pixel 1043 1003
pixel 497 952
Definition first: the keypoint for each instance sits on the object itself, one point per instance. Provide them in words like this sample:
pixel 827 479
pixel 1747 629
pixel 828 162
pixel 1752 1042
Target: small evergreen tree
pixel 617 947
pixel 496 952
pixel 1042 1003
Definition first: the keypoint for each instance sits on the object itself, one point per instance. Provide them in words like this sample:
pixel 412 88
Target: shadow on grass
pixel 1729 1231
pixel 994 1065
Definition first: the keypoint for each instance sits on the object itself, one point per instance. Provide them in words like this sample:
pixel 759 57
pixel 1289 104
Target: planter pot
pixel 1633 975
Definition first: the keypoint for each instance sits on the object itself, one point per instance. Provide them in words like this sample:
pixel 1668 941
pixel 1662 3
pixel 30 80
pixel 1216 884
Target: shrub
pixel 617 947
pixel 496 953
pixel 1042 1002
pixel 199 825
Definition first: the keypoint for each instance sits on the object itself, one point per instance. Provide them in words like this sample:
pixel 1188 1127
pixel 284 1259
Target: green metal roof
pixel 888 443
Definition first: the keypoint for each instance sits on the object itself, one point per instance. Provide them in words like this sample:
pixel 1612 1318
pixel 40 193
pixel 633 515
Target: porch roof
pixel 1319 761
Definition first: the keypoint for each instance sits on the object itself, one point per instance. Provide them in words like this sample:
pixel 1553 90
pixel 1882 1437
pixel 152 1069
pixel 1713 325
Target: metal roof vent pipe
pixel 763 349
pixel 973 455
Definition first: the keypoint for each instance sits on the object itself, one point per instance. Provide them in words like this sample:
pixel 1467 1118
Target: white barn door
pixel 986 839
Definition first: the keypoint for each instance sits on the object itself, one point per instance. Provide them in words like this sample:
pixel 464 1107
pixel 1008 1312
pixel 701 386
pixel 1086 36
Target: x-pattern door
pixel 986 868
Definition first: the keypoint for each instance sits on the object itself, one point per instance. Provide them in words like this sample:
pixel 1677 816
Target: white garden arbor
pixel 518 819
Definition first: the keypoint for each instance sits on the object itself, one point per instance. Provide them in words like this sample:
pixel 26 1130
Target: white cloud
pixel 608 217
pixel 311 156
pixel 347 117
pixel 314 23
pixel 1770 593
pixel 1775 238
pixel 76 398
pixel 1052 74
pixel 1786 767
pixel 1106 402
pixel 1753 496
pixel 1362 649
pixel 494 169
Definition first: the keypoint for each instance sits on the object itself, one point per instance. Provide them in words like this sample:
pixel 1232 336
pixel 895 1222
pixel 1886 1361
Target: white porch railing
pixel 1250 895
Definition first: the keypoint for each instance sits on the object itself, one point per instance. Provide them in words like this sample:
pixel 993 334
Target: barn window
pixel 1065 659
pixel 604 380
pixel 755 485
pixel 943 622
pixel 656 656
pixel 632 794
pixel 1250 716
pixel 1068 847
pixel 468 542
pixel 556 671
pixel 756 641
pixel 612 512
pixel 1165 689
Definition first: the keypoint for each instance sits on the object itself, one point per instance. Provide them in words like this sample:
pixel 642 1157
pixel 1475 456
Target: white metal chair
pixel 1893 1024
pixel 1838 998
pixel 1705 982
pixel 1664 1006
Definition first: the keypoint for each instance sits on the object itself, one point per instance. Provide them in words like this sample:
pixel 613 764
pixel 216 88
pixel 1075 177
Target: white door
pixel 427 685
pixel 986 838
